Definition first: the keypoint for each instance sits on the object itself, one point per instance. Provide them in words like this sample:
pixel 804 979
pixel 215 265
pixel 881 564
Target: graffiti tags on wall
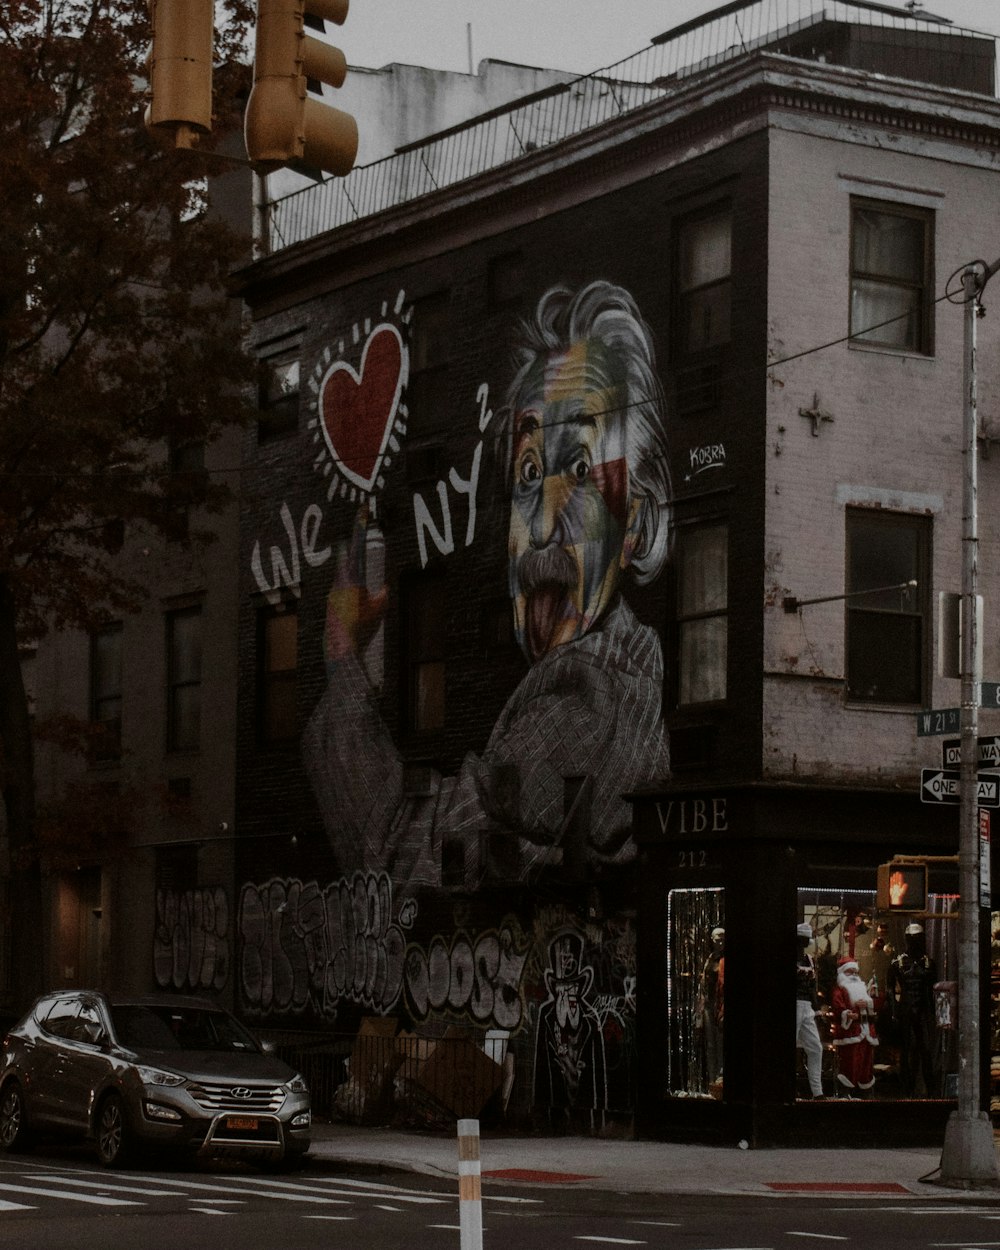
pixel 303 947
pixel 191 939
pixel 480 978
pixel 711 456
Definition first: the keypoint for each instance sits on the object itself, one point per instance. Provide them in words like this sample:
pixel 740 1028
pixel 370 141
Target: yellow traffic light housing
pixel 902 887
pixel 180 70
pixel 283 125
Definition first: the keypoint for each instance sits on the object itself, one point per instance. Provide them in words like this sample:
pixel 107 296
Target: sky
pixel 575 35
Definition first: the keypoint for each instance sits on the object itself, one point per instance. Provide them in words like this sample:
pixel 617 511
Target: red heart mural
pixel 358 410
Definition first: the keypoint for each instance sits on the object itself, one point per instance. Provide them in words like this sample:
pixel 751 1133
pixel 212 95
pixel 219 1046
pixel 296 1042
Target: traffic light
pixel 180 70
pixel 283 125
pixel 902 887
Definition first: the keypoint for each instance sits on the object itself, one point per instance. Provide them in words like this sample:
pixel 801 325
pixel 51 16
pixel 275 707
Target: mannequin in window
pixel 711 1006
pixel 853 1030
pixel 911 998
pixel 806 1003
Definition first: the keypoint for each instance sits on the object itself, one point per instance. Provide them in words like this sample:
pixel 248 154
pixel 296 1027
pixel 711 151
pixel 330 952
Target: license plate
pixel 243 1123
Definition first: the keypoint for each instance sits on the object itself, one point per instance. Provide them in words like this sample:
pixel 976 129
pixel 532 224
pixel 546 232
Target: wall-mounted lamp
pixel 791 604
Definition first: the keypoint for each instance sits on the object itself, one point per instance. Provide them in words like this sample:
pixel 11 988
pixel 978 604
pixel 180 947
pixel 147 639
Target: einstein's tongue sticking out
pixel 547 609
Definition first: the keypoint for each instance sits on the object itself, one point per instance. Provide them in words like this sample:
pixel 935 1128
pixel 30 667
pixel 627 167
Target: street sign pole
pixel 968 1158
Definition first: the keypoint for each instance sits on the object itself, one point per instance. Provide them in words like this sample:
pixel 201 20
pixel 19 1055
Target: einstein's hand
pixel 353 612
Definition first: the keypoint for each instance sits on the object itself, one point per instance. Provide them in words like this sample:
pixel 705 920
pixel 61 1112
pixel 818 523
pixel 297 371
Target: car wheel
pixel 13 1118
pixel 114 1136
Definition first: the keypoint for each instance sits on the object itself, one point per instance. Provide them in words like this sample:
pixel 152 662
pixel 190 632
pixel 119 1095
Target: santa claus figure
pixel 854 1005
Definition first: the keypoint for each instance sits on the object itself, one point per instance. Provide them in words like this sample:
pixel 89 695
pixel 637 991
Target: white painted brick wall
pixel 897 428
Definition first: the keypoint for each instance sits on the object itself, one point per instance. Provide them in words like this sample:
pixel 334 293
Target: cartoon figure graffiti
pixel 570 1072
pixel 583 443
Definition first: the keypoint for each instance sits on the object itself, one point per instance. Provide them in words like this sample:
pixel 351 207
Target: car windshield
pixel 167 1027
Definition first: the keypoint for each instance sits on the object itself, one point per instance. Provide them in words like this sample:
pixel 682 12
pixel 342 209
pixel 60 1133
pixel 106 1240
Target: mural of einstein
pixel 583 444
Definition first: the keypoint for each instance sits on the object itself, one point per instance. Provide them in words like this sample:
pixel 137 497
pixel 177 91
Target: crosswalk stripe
pixel 96 1199
pixel 300 1194
pixel 614 1241
pixel 105 1187
pixel 15 1206
pixel 385 1191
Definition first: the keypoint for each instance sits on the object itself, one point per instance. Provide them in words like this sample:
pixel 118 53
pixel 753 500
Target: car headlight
pixel 297 1085
pixel 157 1076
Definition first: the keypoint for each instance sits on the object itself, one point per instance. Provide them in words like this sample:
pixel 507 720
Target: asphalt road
pixel 49 1201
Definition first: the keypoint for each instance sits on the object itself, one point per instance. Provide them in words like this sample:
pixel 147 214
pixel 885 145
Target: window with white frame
pixel 888 634
pixel 892 273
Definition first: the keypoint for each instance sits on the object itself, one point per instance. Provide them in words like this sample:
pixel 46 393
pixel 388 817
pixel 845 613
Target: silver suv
pixel 163 1071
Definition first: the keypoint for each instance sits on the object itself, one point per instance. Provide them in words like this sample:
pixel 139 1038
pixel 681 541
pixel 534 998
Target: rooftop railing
pixel 902 43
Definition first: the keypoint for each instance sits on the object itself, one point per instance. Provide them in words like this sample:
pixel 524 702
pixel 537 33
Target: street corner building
pixel 590 544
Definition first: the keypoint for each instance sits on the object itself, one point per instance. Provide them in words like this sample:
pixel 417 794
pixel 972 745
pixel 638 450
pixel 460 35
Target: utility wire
pixel 951 295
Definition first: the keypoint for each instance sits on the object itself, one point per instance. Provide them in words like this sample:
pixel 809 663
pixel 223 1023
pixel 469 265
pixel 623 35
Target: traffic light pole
pixel 969 1158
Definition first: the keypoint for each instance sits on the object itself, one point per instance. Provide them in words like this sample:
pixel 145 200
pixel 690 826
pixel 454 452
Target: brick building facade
pixel 784 228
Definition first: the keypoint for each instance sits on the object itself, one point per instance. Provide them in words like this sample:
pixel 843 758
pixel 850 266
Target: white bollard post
pixel 470 1192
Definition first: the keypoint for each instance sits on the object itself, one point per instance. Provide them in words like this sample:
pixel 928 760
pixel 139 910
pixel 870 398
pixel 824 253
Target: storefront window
pixel 696 967
pixel 876 1002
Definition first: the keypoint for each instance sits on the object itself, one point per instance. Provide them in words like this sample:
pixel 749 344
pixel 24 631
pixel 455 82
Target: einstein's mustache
pixel 551 566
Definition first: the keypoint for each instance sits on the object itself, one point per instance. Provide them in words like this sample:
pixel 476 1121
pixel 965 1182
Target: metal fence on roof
pixel 904 43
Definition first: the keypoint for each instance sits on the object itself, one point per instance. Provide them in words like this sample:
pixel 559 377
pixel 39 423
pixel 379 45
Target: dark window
pixel 425 618
pixel 506 280
pixel 496 627
pixel 176 869
pixel 702 620
pixel 891 276
pixel 279 397
pixel 179 787
pixel 887 627
pixel 704 281
pixel 106 692
pixel 184 679
pixel 278 671
pixel 187 472
pixel 427 390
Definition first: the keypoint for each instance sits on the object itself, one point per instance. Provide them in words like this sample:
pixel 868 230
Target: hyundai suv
pixel 129 1072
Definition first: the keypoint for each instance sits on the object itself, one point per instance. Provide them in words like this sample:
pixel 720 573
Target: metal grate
pixel 858 34
pixel 226 1098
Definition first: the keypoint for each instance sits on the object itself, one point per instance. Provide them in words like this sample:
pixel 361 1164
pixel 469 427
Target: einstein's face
pixel 571 517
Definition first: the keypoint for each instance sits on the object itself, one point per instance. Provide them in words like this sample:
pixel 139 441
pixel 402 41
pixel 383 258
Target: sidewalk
pixel 646 1167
